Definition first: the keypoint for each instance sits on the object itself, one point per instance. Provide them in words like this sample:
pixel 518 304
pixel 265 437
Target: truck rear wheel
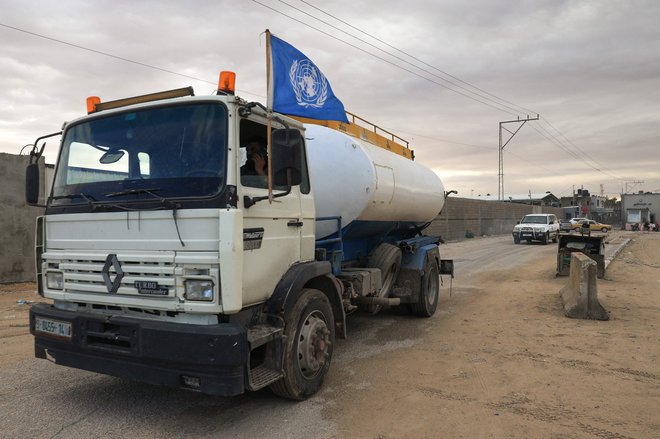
pixel 387 258
pixel 310 336
pixel 430 291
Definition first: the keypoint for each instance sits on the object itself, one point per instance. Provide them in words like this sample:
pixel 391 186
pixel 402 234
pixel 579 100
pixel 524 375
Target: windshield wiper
pixel 164 201
pixel 91 201
pixel 149 191
pixel 87 198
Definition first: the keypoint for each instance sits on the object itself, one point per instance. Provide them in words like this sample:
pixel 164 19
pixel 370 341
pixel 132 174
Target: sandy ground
pixel 503 361
pixel 16 343
pixel 498 360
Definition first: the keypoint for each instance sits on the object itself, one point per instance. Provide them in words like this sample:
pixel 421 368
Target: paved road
pixel 41 400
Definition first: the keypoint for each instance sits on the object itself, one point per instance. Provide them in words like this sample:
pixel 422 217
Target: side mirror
pixel 517 222
pixel 32 183
pixel 287 151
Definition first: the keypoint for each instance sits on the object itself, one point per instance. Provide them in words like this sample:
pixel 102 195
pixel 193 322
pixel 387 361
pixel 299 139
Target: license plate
pixel 53 328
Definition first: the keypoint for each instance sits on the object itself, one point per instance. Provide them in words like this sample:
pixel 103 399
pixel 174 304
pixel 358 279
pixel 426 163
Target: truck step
pixel 261 376
pixel 261 334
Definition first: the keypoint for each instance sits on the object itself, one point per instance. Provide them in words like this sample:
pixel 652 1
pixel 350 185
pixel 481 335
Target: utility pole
pixel 630 185
pixel 521 122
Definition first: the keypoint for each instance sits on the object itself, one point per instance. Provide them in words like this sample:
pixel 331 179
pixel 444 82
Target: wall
pixel 649 201
pixel 479 217
pixel 17 221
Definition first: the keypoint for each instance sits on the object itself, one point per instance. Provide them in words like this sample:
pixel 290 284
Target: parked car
pixel 565 225
pixel 593 226
pixel 578 220
pixel 538 227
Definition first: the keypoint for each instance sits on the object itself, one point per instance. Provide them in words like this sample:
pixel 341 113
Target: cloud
pixel 589 68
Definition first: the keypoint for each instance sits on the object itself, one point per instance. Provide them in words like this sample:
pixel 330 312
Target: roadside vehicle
pixel 594 226
pixel 565 225
pixel 578 220
pixel 536 227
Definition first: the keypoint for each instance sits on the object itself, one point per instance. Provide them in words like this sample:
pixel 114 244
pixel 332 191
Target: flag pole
pixel 269 116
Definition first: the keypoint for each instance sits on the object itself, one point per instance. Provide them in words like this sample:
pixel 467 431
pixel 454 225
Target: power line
pixel 99 52
pixel 584 157
pixel 551 137
pixel 557 142
pixel 470 145
pixel 524 110
pixel 399 58
pixel 584 153
pixel 381 58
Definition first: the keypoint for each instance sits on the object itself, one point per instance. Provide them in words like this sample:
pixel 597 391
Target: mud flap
pixel 447 267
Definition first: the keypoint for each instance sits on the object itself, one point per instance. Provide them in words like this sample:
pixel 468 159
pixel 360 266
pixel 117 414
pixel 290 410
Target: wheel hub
pixel 313 345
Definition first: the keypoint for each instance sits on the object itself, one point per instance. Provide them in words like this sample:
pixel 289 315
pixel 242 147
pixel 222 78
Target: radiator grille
pixel 83 274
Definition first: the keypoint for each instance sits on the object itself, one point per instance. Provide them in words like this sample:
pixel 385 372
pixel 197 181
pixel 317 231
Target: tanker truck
pixel 165 263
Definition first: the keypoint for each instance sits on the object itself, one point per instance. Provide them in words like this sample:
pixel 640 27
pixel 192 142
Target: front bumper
pixel 528 234
pixel 208 358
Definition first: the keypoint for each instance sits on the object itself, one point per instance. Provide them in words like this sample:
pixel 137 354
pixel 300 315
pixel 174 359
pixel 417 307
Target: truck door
pixel 271 231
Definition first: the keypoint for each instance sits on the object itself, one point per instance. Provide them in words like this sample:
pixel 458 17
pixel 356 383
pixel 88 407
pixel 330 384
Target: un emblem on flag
pixel 308 83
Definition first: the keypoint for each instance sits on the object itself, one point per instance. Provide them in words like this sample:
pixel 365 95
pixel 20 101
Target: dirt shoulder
pixel 16 343
pixel 501 360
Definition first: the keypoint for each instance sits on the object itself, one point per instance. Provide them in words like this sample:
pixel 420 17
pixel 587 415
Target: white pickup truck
pixel 536 227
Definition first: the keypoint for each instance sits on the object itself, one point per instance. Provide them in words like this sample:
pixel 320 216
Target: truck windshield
pixel 172 152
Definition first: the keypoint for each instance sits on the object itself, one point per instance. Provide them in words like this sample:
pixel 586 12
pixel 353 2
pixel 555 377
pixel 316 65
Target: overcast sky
pixel 591 69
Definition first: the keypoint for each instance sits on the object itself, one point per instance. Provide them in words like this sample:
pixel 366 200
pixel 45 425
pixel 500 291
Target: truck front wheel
pixel 430 292
pixel 310 336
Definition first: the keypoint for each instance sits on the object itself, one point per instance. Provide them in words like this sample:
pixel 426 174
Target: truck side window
pixel 253 150
pixel 253 154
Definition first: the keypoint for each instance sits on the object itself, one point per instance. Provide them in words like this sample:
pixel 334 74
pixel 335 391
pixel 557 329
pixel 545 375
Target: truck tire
pixel 387 258
pixel 309 338
pixel 429 293
pixel 546 238
pixel 556 237
pixel 516 240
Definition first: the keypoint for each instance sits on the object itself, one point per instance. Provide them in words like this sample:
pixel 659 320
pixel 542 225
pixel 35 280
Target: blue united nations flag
pixel 298 87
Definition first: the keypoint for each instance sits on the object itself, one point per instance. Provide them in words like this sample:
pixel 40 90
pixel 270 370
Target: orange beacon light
pixel 227 82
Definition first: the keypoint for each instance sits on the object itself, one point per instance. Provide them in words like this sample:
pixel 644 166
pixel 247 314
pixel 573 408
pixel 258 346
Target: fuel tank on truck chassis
pixel 374 190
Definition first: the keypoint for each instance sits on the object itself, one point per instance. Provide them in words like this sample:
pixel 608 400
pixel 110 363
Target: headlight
pixel 54 280
pixel 197 289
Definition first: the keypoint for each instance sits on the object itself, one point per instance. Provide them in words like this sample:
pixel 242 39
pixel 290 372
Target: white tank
pixel 363 182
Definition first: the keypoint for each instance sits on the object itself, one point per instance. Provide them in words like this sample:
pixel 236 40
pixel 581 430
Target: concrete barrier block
pixel 580 295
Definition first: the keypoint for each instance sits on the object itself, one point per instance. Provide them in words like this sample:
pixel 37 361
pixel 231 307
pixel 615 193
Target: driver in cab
pixel 257 158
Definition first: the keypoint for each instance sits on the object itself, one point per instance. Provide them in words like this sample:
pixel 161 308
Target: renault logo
pixel 112 285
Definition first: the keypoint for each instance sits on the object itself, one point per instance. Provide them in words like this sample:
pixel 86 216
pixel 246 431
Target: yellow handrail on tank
pixel 370 134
